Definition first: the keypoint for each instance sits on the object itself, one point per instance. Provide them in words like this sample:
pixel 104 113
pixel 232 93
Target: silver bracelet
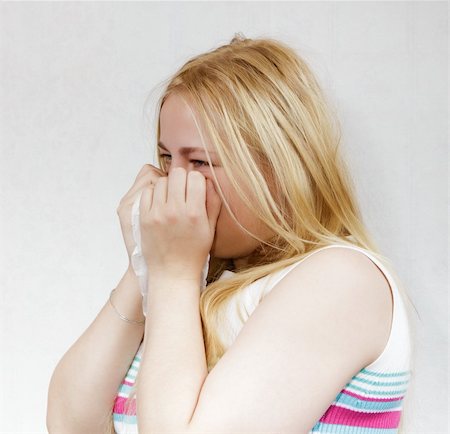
pixel 120 315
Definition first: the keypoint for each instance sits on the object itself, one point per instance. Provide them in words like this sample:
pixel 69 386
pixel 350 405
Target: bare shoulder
pixel 354 283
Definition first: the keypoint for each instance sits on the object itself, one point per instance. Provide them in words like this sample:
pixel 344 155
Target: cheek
pixel 225 223
pixel 222 219
pixel 226 226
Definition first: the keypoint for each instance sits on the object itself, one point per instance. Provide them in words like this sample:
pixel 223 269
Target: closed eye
pixel 202 163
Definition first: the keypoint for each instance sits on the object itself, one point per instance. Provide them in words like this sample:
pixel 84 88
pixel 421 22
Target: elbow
pixel 68 413
pixel 52 417
pixel 59 418
pixel 55 413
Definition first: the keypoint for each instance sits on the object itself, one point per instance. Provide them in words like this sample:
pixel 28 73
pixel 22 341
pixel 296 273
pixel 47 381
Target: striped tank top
pixel 370 403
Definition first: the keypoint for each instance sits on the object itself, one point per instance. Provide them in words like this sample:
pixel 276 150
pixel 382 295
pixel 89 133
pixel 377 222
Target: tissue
pixel 138 261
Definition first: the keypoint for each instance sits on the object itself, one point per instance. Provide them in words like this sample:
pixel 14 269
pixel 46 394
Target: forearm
pixel 173 366
pixel 97 361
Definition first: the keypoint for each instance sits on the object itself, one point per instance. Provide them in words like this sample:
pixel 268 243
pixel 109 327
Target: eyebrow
pixel 186 149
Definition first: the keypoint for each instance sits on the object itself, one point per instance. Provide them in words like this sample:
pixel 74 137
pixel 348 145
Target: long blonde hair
pixel 277 136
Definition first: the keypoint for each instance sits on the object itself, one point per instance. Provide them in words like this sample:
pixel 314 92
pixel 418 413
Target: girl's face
pixel 178 133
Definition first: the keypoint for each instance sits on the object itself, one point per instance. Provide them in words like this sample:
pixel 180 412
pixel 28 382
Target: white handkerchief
pixel 138 262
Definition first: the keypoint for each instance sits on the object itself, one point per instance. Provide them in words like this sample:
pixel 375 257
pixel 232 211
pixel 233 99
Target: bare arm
pixel 85 381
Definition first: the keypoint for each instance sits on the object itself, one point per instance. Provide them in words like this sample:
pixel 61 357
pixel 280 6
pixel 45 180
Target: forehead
pixel 178 130
pixel 176 107
pixel 176 117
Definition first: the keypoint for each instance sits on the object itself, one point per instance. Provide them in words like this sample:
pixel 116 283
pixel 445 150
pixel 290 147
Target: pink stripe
pixel 127 383
pixel 345 416
pixel 119 406
pixel 367 398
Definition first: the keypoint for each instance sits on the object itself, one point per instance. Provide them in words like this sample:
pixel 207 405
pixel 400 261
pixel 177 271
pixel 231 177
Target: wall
pixel 76 108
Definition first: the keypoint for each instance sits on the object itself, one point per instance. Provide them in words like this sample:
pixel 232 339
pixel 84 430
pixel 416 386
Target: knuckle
pixel 151 178
pixel 193 216
pixel 156 220
pixel 147 169
pixel 171 216
pixel 142 171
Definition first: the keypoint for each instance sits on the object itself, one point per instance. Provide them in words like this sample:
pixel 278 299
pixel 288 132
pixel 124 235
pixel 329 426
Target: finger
pixel 146 168
pixel 176 188
pixel 146 179
pixel 160 191
pixel 149 171
pixel 196 190
pixel 146 200
pixel 147 175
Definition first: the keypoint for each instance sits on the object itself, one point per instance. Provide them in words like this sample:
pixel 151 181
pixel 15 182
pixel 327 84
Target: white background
pixel 75 77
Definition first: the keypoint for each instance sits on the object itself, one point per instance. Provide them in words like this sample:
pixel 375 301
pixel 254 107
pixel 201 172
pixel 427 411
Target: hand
pixel 178 219
pixel 147 175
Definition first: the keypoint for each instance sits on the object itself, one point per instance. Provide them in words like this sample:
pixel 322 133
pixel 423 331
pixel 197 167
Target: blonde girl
pixel 304 323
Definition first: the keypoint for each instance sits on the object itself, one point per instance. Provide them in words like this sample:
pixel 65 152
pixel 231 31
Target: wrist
pixel 123 317
pixel 127 296
pixel 170 278
pixel 163 290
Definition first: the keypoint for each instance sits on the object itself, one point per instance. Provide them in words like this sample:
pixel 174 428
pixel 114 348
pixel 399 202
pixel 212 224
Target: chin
pixel 225 253
pixel 219 251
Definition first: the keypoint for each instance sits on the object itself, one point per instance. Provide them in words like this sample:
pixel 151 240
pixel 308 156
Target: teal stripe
pixel 130 375
pixel 384 374
pixel 359 404
pixel 137 359
pixel 377 392
pixel 379 383
pixel 124 418
pixel 346 429
pixel 124 388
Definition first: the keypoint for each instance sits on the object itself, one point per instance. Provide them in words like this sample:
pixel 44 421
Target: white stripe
pixel 364 410
pixel 122 428
pixel 123 395
pixel 373 395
